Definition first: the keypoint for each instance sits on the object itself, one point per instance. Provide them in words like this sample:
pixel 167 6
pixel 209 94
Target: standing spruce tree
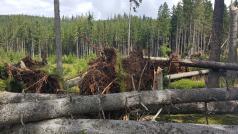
pixel 216 42
pixel 164 20
pixel 59 65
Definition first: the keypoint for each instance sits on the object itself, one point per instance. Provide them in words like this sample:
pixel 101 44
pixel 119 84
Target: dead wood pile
pixel 101 75
pixel 23 77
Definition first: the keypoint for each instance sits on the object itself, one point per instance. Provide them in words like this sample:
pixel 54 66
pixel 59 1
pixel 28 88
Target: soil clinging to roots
pixel 23 77
pixel 101 75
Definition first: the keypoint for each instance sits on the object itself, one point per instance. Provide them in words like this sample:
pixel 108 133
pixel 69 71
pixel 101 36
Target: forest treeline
pixel 185 29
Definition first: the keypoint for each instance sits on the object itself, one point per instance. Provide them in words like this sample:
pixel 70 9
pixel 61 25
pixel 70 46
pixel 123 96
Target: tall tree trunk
pixel 232 54
pixel 217 34
pixel 39 49
pixel 58 38
pixel 32 49
pixel 77 47
pixel 129 30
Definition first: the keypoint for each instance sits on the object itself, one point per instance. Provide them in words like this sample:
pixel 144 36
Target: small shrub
pixel 165 50
pixel 187 84
pixel 3 85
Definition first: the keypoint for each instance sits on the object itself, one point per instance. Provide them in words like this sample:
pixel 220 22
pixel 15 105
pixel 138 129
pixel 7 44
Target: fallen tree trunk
pixel 209 64
pixel 48 109
pixel 9 97
pixel 221 107
pixel 218 107
pixel 157 58
pixel 201 64
pixel 186 74
pixel 117 127
pixel 73 82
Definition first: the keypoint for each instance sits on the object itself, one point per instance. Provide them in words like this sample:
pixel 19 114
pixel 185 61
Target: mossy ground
pixel 187 84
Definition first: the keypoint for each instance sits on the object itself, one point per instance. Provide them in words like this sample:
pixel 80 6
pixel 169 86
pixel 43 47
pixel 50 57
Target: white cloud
pixel 101 8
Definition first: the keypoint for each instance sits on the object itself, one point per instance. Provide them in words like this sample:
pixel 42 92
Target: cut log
pixel 118 127
pixel 186 75
pixel 48 109
pixel 209 64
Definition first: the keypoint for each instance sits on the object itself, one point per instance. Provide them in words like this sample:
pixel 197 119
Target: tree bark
pixel 217 36
pixel 59 65
pixel 117 127
pixel 232 55
pixel 220 107
pixel 185 108
pixel 48 109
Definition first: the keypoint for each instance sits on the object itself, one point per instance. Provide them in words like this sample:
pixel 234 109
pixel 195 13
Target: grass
pixel 200 119
pixel 187 84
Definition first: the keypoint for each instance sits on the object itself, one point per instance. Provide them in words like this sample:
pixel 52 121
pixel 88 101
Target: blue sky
pixel 100 8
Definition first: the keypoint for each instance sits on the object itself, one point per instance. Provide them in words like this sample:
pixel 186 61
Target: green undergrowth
pixel 120 73
pixel 72 66
pixel 187 84
pixel 3 85
pixel 10 56
pixel 200 119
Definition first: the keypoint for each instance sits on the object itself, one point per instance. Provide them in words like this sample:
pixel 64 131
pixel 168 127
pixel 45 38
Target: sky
pixel 101 9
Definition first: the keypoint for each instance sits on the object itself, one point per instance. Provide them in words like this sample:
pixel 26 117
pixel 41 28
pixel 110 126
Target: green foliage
pixel 3 85
pixel 165 50
pixel 72 65
pixel 120 72
pixel 69 59
pixel 10 56
pixel 164 20
pixel 187 84
pixel 14 86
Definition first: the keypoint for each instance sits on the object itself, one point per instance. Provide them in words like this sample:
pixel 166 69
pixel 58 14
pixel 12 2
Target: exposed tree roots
pixel 24 78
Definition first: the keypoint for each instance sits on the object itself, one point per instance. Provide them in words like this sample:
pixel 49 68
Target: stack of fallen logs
pixel 45 113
